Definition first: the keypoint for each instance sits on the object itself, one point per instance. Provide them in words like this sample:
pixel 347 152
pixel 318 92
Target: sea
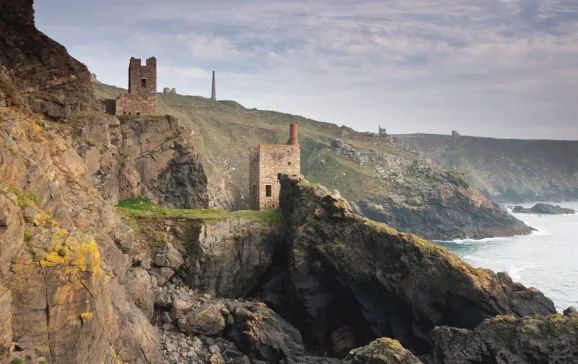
pixel 546 259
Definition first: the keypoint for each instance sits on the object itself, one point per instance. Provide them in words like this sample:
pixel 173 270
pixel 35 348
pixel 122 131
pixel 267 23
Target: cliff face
pixel 49 80
pixel 505 169
pixel 64 271
pixel 419 198
pixel 150 156
pixel 347 271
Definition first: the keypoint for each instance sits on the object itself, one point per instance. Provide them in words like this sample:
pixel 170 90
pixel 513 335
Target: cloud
pixel 496 67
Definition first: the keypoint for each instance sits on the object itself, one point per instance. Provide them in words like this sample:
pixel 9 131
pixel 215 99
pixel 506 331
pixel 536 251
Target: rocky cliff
pixel 47 78
pixel 346 271
pixel 505 169
pixel 65 274
pixel 150 156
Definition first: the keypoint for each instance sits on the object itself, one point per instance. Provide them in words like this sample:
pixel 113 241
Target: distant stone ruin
pixel 455 135
pixel 382 131
pixel 168 90
pixel 267 162
pixel 141 98
pixel 93 78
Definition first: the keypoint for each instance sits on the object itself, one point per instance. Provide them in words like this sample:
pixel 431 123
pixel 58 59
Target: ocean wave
pixel 468 241
pixel 472 257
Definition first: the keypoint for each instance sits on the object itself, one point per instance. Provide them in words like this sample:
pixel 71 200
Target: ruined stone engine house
pixel 267 162
pixel 141 98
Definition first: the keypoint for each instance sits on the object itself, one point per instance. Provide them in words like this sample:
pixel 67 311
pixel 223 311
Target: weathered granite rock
pixel 5 320
pixel 159 162
pixel 543 208
pixel 346 270
pixel 49 80
pixel 170 258
pixel 263 335
pixel 381 351
pixel 141 291
pixel 570 310
pixel 506 339
pixel 206 320
pixel 49 178
pixel 230 256
pixel 11 227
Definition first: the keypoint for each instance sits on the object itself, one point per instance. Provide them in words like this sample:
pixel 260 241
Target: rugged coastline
pixel 118 243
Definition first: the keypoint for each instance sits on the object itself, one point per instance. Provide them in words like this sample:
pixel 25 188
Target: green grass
pixel 142 207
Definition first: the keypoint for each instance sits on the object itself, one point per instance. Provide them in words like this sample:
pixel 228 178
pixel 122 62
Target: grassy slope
pixel 224 130
pixel 493 165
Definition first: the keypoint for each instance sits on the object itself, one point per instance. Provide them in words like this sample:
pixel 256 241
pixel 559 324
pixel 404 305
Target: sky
pixel 501 68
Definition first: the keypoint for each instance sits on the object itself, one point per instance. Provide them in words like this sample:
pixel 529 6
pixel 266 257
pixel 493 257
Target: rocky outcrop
pixel 543 208
pixel 381 351
pixel 49 80
pixel 221 330
pixel 263 335
pixel 230 257
pixel 506 339
pixel 345 270
pixel 420 198
pixel 149 156
pixel 65 273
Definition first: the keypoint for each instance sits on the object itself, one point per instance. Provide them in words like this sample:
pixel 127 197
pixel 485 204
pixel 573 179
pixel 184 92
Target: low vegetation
pixel 142 207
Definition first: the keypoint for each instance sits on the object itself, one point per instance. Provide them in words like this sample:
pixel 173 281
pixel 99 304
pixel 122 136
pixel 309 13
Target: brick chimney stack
pixel 293 135
pixel 214 90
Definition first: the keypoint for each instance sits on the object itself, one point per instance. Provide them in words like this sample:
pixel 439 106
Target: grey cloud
pixel 496 67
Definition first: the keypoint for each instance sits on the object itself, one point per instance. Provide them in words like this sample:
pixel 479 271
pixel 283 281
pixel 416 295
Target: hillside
pixel 507 170
pixel 383 177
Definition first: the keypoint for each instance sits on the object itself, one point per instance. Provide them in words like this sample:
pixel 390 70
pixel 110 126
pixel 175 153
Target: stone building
pixel 382 131
pixel 267 163
pixel 141 98
pixel 168 90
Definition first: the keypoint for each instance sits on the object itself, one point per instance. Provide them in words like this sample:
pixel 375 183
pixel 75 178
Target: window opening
pixel 268 190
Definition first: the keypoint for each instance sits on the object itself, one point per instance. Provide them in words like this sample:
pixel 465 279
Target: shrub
pixel 62 252
pixel 17 361
pixel 27 234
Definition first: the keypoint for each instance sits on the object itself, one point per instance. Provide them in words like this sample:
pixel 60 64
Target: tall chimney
pixel 293 135
pixel 214 91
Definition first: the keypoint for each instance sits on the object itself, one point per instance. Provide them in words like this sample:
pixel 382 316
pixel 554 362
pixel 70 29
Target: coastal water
pixel 547 259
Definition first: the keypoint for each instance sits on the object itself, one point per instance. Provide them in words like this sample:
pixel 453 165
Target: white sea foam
pixel 471 257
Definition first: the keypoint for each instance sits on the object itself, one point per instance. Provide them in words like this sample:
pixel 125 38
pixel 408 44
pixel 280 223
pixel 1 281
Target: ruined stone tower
pixel 382 131
pixel 267 162
pixel 141 98
pixel 214 89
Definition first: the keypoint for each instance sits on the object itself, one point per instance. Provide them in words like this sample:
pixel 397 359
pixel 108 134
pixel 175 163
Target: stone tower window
pixel 278 176
pixel 268 190
pixel 289 163
pixel 143 82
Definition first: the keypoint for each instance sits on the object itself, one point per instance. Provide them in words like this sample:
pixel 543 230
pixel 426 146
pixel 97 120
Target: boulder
pixel 343 340
pixel 506 339
pixel 570 310
pixel 382 351
pixel 263 335
pixel 170 258
pixel 180 309
pixel 206 320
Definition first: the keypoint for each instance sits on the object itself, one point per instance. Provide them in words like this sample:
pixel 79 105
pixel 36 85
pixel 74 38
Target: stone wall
pixel 267 162
pixel 141 98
